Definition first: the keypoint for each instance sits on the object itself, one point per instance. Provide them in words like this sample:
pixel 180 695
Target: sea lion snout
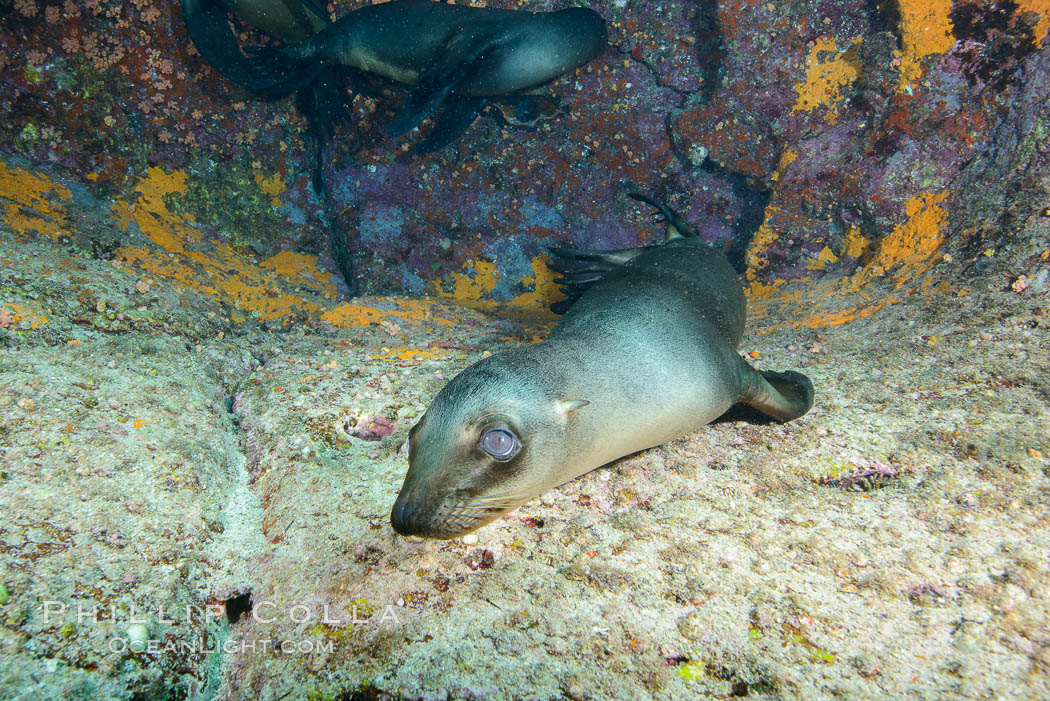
pixel 401 517
pixel 492 439
pixel 404 517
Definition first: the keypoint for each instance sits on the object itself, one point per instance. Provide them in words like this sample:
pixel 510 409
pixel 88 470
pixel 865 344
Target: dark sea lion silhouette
pixel 457 59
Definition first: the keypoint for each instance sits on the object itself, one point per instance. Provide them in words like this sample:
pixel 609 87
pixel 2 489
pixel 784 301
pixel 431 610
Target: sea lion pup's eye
pixel 500 443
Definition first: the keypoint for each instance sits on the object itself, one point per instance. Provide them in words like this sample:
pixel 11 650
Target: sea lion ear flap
pixel 568 406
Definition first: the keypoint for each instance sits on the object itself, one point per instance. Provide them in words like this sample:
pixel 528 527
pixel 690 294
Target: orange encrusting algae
pixel 828 73
pixel 1041 8
pixel 272 186
pixel 926 26
pixel 397 310
pixel 13 313
pixel 408 354
pixel 854 244
pixel 926 30
pixel 30 202
pixel 300 269
pixel 272 290
pixel 823 258
pixel 910 245
pixel 765 237
pixel 908 251
pixel 473 291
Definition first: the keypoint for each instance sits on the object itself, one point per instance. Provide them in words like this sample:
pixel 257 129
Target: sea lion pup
pixel 646 352
pixel 453 56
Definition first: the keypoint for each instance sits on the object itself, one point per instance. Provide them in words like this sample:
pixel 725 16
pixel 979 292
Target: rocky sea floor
pixel 161 453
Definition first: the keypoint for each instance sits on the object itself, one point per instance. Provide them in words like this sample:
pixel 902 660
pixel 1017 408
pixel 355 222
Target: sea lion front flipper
pixel 462 51
pixel 581 268
pixel 781 395
pixel 456 118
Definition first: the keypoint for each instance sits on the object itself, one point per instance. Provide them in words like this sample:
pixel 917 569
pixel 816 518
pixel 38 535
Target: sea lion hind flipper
pixel 574 260
pixel 277 72
pixel 210 31
pixel 783 396
pixel 324 103
pixel 456 118
pixel 676 226
pixel 584 277
pixel 458 61
pixel 581 268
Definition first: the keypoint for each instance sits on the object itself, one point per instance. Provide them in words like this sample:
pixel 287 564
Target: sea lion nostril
pixel 401 517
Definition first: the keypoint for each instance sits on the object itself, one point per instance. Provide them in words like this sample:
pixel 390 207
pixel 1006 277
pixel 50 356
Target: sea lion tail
pixel 783 396
pixel 580 268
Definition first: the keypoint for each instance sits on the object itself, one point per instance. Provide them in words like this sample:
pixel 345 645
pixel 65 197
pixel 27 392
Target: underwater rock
pixel 372 428
pixel 175 361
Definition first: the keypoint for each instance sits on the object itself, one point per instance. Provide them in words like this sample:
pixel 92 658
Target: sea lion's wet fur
pixel 649 348
pixel 447 53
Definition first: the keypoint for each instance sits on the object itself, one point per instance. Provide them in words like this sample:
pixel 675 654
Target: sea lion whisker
pixel 459 526
pixel 490 507
pixel 482 504
pixel 472 513
pixel 504 498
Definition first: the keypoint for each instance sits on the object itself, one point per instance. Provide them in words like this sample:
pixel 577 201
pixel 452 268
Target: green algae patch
pixel 238 202
pixel 816 653
pixel 692 671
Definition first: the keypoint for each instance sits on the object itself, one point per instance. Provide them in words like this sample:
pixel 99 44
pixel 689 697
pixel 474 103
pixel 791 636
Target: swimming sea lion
pixel 646 352
pixel 454 56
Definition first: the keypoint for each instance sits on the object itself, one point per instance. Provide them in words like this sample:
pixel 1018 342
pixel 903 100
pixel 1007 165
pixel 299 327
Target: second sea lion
pixel 455 57
pixel 646 352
